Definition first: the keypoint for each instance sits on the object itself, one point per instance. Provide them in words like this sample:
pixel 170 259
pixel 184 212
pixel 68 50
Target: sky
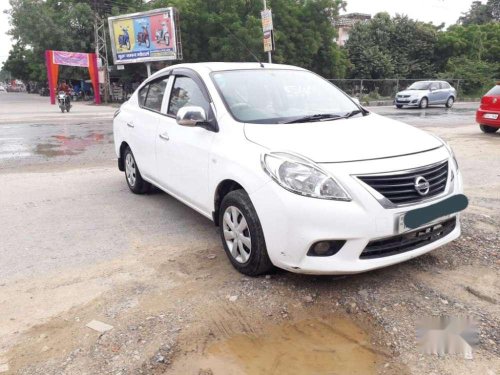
pixel 436 11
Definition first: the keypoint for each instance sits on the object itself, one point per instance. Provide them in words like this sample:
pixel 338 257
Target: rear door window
pixel 494 91
pixel 143 92
pixel 156 91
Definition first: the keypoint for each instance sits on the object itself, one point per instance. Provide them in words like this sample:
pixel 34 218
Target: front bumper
pixel 484 121
pixel 410 102
pixel 293 223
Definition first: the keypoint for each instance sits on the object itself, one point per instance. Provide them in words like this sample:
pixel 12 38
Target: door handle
pixel 164 136
pixel 130 124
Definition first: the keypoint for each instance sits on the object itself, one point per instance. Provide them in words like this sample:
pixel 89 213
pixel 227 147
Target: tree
pixel 303 32
pixel 39 25
pixel 386 47
pixel 480 14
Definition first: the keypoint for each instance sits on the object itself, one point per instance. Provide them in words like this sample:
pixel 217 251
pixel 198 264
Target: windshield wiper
pixel 316 117
pixel 353 113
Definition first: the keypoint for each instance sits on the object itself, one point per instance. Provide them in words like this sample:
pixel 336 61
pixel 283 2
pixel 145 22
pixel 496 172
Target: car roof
pixel 225 66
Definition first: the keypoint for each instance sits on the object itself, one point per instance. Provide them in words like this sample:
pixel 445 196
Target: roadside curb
pixel 379 103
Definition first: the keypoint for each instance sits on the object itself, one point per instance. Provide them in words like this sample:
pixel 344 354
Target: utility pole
pixel 268 52
pixel 101 49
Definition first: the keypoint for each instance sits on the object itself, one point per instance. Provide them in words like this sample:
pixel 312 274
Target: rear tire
pixel 488 129
pixel 133 176
pixel 424 103
pixel 450 102
pixel 242 235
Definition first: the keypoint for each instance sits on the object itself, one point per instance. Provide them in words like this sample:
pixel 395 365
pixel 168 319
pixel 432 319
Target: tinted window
pixel 186 92
pixel 142 95
pixel 155 94
pixel 494 91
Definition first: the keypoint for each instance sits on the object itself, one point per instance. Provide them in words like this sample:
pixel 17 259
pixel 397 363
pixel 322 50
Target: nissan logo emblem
pixel 422 186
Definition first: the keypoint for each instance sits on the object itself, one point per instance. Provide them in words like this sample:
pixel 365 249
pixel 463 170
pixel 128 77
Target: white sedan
pixel 292 170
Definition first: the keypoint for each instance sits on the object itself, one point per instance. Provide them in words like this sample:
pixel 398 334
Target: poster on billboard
pixel 144 37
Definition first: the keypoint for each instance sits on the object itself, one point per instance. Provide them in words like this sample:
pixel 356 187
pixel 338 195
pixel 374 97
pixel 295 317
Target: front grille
pixel 408 241
pixel 403 96
pixel 400 188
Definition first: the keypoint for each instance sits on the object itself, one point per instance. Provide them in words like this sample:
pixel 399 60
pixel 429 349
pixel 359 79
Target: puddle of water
pixel 310 346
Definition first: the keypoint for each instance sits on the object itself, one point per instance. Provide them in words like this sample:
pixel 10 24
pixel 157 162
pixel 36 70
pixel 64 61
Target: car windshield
pixel 420 86
pixel 273 96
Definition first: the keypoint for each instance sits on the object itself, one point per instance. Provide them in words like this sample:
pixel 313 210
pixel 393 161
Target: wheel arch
pixel 223 188
pixel 121 161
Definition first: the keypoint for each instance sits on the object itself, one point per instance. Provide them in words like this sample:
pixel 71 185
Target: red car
pixel 488 114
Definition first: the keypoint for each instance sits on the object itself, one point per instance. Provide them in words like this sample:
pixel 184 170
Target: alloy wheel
pixel 237 234
pixel 130 169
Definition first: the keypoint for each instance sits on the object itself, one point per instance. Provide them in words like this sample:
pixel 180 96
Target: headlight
pixel 302 176
pixel 450 150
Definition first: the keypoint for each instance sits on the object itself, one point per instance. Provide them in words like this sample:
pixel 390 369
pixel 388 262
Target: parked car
pixel 488 113
pixel 291 169
pixel 425 93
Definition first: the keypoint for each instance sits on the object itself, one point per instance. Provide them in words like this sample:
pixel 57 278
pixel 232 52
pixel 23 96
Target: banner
pixel 146 36
pixel 85 60
pixel 71 58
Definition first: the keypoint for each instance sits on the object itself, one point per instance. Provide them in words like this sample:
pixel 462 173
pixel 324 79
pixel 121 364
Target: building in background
pixel 344 24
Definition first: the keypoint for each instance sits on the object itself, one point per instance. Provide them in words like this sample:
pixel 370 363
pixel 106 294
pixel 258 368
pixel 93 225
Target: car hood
pixel 357 138
pixel 413 92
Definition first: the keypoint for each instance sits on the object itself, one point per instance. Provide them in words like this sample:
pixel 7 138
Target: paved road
pixel 36 136
pixel 58 208
pixel 76 245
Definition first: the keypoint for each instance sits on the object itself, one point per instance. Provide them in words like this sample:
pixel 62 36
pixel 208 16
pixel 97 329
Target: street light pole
pixel 268 52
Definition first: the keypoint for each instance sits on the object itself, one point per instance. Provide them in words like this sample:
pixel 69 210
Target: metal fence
pixel 376 89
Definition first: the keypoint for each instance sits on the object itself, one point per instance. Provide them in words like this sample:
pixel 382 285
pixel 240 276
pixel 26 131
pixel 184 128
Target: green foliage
pixel 480 14
pixel 392 47
pixel 478 75
pixel 303 32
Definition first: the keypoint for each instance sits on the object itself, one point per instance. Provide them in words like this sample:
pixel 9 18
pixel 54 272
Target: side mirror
pixel 191 116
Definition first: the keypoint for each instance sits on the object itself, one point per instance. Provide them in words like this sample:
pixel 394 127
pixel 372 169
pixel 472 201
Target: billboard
pixel 146 36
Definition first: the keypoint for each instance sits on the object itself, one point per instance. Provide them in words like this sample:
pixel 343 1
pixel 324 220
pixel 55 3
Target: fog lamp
pixel 325 248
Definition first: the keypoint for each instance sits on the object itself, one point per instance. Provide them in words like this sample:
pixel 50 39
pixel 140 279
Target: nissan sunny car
pixel 294 173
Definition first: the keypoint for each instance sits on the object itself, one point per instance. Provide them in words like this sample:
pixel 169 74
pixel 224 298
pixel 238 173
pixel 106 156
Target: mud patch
pixel 311 346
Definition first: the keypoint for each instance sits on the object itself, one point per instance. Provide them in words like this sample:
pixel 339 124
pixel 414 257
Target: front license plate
pixel 402 228
pixel 434 213
pixel 491 116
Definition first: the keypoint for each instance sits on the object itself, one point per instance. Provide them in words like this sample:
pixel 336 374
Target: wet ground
pixel 77 246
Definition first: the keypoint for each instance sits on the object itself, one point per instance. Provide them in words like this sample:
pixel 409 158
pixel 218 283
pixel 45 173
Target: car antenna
pixel 244 45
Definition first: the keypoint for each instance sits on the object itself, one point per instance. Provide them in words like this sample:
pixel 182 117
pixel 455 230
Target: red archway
pixel 85 60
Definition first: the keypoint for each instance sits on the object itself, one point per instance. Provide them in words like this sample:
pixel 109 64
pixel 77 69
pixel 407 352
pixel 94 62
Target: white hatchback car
pixel 292 170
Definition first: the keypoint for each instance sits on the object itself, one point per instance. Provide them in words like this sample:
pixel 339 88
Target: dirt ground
pixel 156 272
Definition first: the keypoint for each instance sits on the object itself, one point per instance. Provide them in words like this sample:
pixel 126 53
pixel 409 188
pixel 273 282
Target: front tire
pixel 488 129
pixel 424 103
pixel 450 102
pixel 242 235
pixel 133 176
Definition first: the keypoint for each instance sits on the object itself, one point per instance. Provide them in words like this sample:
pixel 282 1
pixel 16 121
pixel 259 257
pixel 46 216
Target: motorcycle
pixel 124 39
pixel 64 101
pixel 162 35
pixel 143 36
